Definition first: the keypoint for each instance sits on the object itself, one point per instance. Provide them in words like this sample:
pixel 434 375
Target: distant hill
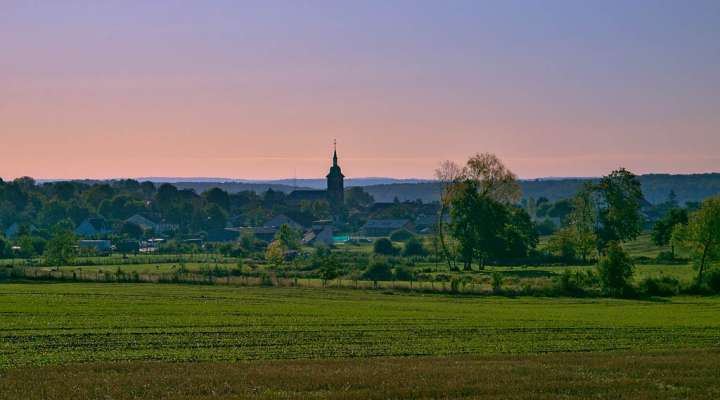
pixel 234 187
pixel 318 183
pixel 656 188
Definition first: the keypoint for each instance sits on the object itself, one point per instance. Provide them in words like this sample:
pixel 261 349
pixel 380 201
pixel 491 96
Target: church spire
pixel 335 164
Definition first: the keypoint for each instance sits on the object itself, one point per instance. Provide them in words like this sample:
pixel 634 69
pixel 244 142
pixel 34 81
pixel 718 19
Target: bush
pixel 571 283
pixel 404 274
pixel 497 280
pixel 384 247
pixel 414 247
pixel 615 270
pixel 401 235
pixel 663 286
pixel 713 280
pixel 266 280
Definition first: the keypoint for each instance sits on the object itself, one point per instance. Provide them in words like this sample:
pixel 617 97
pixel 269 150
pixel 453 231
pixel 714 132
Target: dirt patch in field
pixel 661 375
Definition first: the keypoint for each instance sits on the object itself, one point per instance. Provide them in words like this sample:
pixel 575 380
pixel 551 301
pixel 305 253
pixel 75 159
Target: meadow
pixel 298 339
pixel 45 324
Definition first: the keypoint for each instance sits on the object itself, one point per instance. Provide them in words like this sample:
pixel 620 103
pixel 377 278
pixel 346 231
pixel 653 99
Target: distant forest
pixel 656 188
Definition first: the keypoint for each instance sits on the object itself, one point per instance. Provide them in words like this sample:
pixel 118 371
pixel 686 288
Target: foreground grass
pixel 683 374
pixel 50 324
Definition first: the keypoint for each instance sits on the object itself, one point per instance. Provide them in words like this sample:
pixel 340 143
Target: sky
pixel 259 90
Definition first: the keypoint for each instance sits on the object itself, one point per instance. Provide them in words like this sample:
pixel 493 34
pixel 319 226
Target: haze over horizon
pixel 260 90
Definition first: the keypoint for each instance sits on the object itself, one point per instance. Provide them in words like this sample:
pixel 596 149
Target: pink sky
pixel 90 91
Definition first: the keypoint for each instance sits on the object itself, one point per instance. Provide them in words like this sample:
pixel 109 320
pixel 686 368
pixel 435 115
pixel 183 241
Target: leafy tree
pixel 583 222
pixel 216 217
pixel 563 244
pixel 519 233
pixel 414 247
pixel 477 218
pixel 131 230
pixel 60 250
pixel 329 267
pixel 384 246
pixel 401 235
pixel 560 209
pixel 27 247
pixel 5 248
pixel 478 224
pixel 615 269
pixel 545 227
pixel 378 270
pixel 357 198
pixel 450 175
pixel 53 212
pixel 577 239
pixel 662 231
pixel 275 252
pixel 404 274
pixel 288 236
pixel 701 236
pixel 247 241
pixel 492 178
pixel 620 199
pixel 317 209
pixel 218 197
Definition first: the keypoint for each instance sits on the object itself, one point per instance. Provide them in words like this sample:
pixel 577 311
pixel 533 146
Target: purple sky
pixel 259 89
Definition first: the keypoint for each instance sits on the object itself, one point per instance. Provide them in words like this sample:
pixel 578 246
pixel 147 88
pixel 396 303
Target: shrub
pixel 497 281
pixel 384 247
pixel 455 285
pixel 663 286
pixel 615 270
pixel 413 247
pixel 571 283
pixel 401 235
pixel 713 280
pixel 266 280
pixel 404 274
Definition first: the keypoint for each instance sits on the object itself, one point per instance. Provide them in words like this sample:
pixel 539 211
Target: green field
pixel 231 340
pixel 83 322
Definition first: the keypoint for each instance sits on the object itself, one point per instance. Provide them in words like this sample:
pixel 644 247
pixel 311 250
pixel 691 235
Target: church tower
pixel 335 185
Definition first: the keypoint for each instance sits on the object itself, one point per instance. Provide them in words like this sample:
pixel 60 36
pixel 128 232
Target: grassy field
pixel 193 341
pixel 83 322
pixel 687 374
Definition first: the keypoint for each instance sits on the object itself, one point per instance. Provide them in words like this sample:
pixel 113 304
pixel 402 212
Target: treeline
pixel 37 208
pixel 485 222
pixel 656 188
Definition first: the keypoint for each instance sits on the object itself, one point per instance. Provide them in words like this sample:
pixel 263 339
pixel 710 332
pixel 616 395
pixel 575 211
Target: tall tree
pixel 701 236
pixel 478 224
pixel 60 250
pixel 450 176
pixel 288 236
pixel 493 182
pixel 219 197
pixel 582 222
pixel 619 201
pixel 662 231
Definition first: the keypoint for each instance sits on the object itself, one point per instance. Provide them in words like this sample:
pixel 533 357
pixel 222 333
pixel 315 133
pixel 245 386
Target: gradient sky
pixel 97 89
